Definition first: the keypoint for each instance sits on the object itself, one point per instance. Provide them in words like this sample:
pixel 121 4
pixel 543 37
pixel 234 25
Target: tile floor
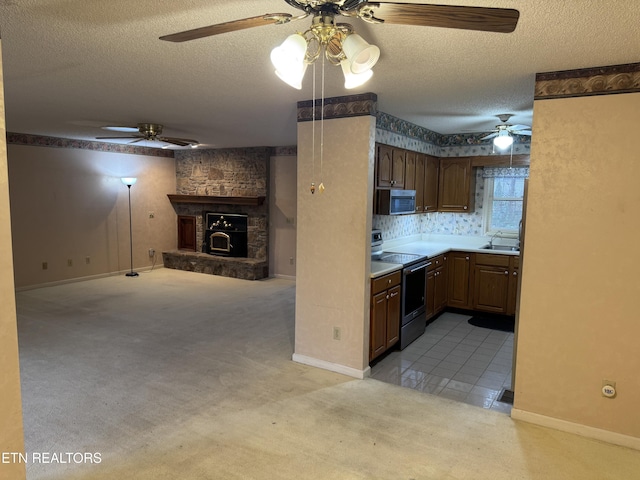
pixel 456 360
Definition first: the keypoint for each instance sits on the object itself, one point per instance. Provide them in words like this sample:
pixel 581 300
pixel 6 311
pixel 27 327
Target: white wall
pixel 69 204
pixel 282 216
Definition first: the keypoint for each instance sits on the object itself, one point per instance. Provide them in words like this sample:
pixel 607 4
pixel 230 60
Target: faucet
pixel 499 232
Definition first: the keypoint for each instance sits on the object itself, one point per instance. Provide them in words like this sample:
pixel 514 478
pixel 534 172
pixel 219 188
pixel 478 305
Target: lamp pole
pixel 129 181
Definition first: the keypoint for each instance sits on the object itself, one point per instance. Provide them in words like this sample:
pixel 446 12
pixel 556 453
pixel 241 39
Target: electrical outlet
pixel 152 215
pixel 69 263
pixel 87 260
pixel 45 265
pixel 152 252
pixel 608 388
pixel 336 333
pixel 290 260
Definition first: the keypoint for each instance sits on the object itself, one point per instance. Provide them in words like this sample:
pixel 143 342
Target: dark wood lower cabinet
pixel 385 314
pixel 436 293
pixel 459 275
pixel 495 283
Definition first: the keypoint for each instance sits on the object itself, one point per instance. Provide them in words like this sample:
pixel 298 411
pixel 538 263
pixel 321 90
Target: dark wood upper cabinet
pixel 410 170
pixel 456 186
pixel 419 183
pixel 384 163
pixel 431 178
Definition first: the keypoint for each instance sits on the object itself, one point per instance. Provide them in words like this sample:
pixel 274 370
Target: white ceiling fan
pixel 503 134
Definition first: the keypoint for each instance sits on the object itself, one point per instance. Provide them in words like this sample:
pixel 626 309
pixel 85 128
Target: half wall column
pixel 333 234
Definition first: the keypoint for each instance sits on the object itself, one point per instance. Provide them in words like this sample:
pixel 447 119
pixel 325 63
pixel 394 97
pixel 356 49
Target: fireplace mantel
pixel 215 200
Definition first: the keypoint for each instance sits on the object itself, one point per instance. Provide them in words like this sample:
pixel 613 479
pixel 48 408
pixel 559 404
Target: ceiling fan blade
pixel 226 27
pixel 519 127
pixel 490 136
pixel 522 132
pixel 118 138
pixel 181 142
pixel 501 20
pixel 139 139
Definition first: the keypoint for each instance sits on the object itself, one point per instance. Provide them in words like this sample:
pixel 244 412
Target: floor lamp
pixel 128 181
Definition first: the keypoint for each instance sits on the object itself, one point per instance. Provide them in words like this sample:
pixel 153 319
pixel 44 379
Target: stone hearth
pixel 244 268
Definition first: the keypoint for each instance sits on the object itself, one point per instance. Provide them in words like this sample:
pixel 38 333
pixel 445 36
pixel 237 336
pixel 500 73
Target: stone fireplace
pixel 223 181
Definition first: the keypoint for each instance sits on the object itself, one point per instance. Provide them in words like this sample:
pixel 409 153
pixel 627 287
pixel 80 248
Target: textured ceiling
pixel 72 66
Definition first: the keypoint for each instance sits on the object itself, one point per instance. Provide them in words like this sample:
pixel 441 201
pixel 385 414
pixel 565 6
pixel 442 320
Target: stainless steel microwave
pixel 396 202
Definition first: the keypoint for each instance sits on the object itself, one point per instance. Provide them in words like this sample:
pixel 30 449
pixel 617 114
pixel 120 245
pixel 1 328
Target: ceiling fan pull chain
pixel 313 131
pixel 321 186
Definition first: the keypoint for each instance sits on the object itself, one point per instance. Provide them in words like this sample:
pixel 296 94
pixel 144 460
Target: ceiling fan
pixel 338 41
pixel 503 133
pixel 150 132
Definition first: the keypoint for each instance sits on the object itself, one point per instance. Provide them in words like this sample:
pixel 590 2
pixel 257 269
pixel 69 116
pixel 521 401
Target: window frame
pixel 488 209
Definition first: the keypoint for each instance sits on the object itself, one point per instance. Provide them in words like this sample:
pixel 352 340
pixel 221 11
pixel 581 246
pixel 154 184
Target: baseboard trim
pixel 284 277
pixel 84 279
pixel 333 367
pixel 576 428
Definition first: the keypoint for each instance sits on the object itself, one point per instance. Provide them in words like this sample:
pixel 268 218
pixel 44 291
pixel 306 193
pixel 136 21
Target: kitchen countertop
pixel 434 245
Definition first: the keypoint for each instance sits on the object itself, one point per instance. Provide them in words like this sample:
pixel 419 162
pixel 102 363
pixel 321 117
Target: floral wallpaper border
pixel 55 142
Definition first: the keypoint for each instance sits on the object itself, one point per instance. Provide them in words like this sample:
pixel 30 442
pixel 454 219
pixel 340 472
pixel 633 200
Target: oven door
pixel 413 291
pixel 414 285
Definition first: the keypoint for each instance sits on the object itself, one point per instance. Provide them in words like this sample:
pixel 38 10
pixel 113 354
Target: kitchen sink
pixel 507 248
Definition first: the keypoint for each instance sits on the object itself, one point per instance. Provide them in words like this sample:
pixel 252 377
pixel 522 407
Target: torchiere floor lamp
pixel 128 181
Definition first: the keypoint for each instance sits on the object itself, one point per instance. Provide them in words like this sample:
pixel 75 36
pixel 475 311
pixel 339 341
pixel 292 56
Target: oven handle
pixel 420 267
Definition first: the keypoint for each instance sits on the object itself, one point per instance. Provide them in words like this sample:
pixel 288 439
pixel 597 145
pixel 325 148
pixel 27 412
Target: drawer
pixel 490 259
pixel 382 283
pixel 436 262
pixel 516 262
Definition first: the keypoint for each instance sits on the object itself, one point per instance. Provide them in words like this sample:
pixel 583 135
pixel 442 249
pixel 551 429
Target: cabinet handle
pixel 465 207
pixel 387 297
pixel 466 258
pixel 394 294
pixel 515 273
pixel 389 281
pixel 506 272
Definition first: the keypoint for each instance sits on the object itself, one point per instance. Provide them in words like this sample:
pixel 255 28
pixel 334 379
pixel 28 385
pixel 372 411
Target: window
pixel 503 199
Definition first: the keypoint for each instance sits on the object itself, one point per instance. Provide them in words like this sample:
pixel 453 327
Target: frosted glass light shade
pixel 354 80
pixel 289 60
pixel 360 54
pixel 128 181
pixel 503 140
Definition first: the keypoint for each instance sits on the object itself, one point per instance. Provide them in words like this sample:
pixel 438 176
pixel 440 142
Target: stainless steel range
pixel 414 286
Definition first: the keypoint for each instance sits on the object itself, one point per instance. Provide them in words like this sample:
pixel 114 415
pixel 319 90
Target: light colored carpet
pixel 177 375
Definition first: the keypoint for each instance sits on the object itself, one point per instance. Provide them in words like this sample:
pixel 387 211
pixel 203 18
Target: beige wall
pixel 580 288
pixel 282 216
pixel 11 435
pixel 333 242
pixel 69 204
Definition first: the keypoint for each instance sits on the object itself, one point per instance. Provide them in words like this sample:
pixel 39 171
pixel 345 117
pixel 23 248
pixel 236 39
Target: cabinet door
pixel 410 170
pixel 378 334
pixel 397 168
pixel 431 176
pixel 454 188
pixel 384 162
pixel 458 273
pixel 491 287
pixel 430 293
pixel 440 294
pixel 393 316
pixel 513 290
pixel 419 182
